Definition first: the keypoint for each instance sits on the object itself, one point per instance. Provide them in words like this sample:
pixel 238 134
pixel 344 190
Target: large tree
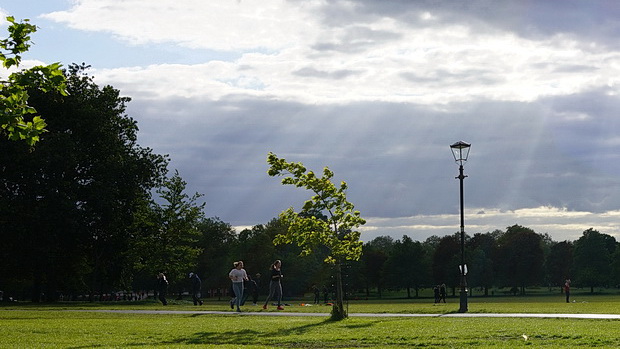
pixel 408 265
pixel 169 233
pixel 374 256
pixel 327 220
pixel 18 117
pixel 446 260
pixel 66 208
pixel 215 261
pixel 559 263
pixel 482 249
pixel 592 258
pixel 520 257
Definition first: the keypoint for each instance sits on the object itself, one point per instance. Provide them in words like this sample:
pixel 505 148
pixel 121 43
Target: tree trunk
pixel 338 312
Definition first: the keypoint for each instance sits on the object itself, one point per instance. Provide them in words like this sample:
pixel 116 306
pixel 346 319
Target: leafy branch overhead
pixel 14 107
pixel 327 219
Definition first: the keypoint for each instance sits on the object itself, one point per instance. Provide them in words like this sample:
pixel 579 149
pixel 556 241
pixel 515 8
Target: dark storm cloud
pixel 395 157
pixel 588 21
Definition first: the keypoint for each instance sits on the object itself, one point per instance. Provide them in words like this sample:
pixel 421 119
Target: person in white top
pixel 237 275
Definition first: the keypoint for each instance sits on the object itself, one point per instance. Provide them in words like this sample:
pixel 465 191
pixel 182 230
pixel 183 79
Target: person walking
pixel 162 288
pixel 256 284
pixel 247 288
pixel 436 293
pixel 237 275
pixel 442 293
pixel 567 290
pixel 317 293
pixel 196 285
pixel 275 287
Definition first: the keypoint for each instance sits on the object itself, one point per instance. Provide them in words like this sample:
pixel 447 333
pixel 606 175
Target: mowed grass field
pixel 73 325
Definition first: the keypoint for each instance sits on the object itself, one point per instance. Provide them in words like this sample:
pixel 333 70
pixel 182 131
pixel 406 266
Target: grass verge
pixel 65 329
pixel 50 326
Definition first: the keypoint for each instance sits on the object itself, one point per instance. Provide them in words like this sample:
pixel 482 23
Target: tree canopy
pixel 70 204
pixel 592 254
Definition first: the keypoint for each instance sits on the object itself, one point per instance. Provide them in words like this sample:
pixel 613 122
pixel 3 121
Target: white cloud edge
pixel 541 219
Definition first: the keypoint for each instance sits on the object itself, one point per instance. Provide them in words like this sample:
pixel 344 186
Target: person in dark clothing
pixel 250 287
pixel 275 287
pixel 317 293
pixel 436 293
pixel 567 290
pixel 162 288
pixel 442 293
pixel 196 286
pixel 255 290
pixel 231 291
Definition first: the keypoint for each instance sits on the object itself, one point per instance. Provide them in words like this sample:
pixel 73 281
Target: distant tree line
pixel 89 211
pixel 516 258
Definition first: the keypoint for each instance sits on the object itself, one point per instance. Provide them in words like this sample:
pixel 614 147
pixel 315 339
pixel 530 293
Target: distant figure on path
pixel 442 293
pixel 567 290
pixel 275 287
pixel 436 293
pixel 196 285
pixel 249 287
pixel 317 293
pixel 256 284
pixel 162 288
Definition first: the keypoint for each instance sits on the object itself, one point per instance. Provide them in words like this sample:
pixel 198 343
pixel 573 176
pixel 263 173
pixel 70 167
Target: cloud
pixel 377 90
pixel 218 24
pixel 560 223
pixel 395 157
pixel 379 59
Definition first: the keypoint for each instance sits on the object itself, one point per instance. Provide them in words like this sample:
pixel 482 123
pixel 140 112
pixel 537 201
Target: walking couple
pixel 238 275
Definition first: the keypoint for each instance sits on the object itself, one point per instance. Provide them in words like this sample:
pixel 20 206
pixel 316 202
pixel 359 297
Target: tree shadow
pixel 253 337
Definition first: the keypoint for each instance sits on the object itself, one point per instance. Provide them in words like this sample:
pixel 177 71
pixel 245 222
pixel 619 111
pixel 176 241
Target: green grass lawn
pixel 25 325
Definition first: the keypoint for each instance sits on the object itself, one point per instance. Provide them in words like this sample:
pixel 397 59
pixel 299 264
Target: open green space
pixel 27 325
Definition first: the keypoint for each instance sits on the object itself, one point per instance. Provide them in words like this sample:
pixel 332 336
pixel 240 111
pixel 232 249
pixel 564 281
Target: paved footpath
pixel 451 315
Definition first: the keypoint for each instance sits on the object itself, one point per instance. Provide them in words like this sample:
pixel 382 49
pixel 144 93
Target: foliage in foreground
pixel 14 104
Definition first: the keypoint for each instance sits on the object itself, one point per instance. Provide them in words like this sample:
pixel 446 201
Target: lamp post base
pixel 463 307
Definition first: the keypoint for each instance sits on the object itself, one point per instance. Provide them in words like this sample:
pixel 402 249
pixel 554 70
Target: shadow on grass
pixel 271 337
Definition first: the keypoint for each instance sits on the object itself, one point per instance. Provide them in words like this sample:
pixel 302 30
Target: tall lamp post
pixel 460 150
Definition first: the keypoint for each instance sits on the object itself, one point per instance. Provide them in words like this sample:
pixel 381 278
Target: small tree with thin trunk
pixel 327 219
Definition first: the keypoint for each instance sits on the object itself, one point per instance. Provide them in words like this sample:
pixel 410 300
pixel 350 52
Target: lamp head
pixel 460 151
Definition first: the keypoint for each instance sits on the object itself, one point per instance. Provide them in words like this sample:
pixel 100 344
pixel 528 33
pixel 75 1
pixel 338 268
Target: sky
pixel 375 90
